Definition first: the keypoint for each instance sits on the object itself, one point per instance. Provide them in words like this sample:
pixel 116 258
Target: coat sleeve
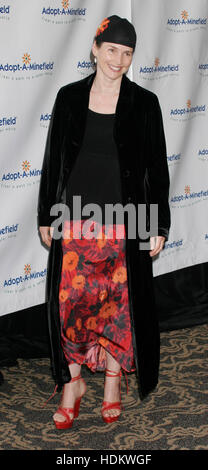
pixel 157 174
pixel 51 165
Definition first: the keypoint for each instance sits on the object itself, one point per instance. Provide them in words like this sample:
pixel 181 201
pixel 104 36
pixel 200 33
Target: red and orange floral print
pixel 93 300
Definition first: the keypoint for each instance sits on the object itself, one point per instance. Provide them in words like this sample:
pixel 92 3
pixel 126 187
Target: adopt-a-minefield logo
pixel 189 197
pixel 26 279
pixel 84 67
pixel 203 69
pixel 8 123
pixel 62 12
pixel 170 247
pixel 179 246
pixel 19 179
pixel 158 70
pixel 26 68
pixel 186 23
pixel 8 231
pixel 188 111
pixel 203 154
pixel 173 159
pixel 5 11
pixel 45 120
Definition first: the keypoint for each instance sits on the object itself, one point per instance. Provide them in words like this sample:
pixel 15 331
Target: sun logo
pixel 104 25
pixel 27 269
pixel 184 14
pixel 187 189
pixel 25 165
pixel 65 4
pixel 188 104
pixel 26 58
pixel 157 61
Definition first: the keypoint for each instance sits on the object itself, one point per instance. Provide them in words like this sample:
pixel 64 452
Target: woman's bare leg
pixel 72 391
pixel 112 389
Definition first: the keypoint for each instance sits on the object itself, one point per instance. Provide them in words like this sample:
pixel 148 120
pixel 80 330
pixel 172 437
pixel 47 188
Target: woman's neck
pixel 104 85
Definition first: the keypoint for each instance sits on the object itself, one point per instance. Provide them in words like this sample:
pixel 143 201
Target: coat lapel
pixel 76 110
pixel 80 105
pixel 124 101
pixel 79 108
pixel 123 117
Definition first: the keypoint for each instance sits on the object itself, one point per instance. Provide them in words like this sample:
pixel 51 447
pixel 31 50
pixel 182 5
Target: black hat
pixel 117 30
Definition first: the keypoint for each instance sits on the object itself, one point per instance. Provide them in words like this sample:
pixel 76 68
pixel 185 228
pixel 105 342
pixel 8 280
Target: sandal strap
pixel 54 392
pixel 56 386
pixel 117 374
pixel 65 412
pixel 109 405
pixel 74 379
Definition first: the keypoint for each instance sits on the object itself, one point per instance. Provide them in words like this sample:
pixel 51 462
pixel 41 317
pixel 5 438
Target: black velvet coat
pixel 140 140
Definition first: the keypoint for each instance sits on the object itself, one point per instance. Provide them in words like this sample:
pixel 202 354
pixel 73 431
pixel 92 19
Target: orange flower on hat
pixel 63 295
pixel 70 333
pixel 70 260
pixel 119 275
pixel 108 309
pixel 104 25
pixel 78 282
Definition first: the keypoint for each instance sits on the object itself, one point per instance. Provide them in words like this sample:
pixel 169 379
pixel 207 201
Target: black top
pixel 96 174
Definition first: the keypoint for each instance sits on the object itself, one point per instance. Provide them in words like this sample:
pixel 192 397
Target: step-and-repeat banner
pixel 45 45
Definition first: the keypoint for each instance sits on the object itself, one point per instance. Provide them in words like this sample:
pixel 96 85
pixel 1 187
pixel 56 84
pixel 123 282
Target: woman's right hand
pixel 46 235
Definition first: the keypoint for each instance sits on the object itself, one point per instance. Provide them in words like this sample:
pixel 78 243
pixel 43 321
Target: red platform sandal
pixel 68 422
pixel 112 405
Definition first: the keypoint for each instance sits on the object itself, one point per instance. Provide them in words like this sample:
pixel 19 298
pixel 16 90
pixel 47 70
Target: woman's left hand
pixel 156 245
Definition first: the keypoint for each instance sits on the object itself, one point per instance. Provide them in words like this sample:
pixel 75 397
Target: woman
pixel 106 143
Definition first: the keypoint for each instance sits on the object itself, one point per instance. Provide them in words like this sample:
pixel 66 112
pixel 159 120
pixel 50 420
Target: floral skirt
pixel 93 297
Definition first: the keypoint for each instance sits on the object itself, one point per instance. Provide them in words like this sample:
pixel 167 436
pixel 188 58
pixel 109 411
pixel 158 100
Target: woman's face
pixel 113 59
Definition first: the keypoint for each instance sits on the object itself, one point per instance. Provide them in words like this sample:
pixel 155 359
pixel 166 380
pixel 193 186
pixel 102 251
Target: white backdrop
pixel 44 45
